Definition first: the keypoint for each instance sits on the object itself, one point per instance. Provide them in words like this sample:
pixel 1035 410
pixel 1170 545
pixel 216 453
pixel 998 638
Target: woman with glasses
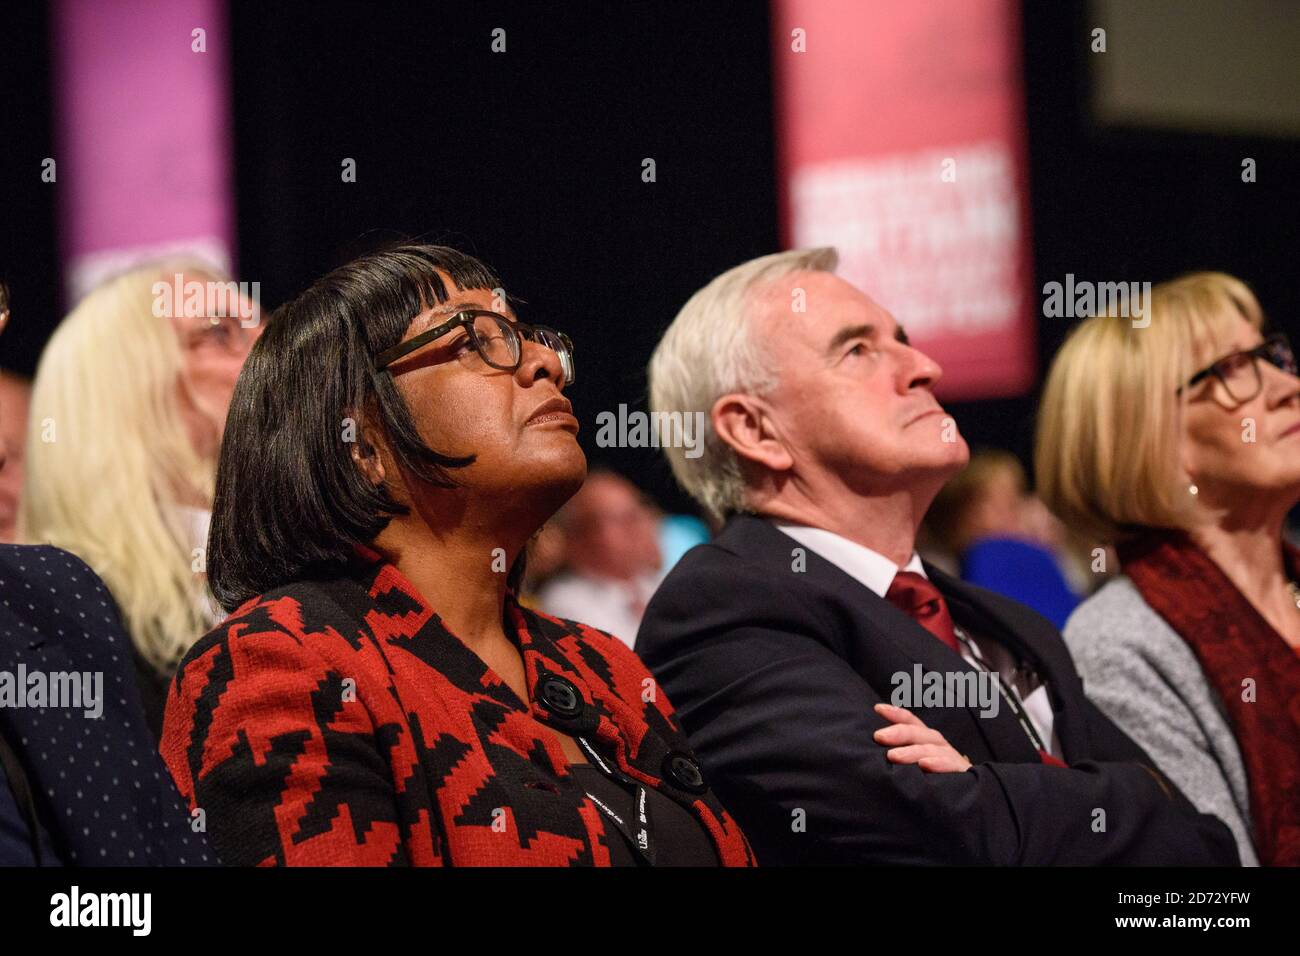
pixel 377 695
pixel 1178 442
pixel 126 414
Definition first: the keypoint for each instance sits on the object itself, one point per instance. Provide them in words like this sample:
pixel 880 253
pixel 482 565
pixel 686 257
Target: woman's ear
pixel 364 449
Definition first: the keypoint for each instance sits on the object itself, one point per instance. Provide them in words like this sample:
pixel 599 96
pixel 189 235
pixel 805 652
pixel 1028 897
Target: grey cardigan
pixel 1144 677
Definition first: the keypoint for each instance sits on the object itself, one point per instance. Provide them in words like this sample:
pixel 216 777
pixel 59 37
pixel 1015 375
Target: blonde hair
pixel 708 352
pixel 1109 424
pixel 109 459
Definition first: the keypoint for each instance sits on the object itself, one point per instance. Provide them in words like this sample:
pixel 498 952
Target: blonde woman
pixel 127 410
pixel 1179 442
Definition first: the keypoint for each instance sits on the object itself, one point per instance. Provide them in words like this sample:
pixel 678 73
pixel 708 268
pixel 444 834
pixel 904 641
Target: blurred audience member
pixel 613 558
pixel 1000 537
pixel 1179 441
pixel 91 790
pixel 544 560
pixel 127 412
pixel 985 499
pixel 15 397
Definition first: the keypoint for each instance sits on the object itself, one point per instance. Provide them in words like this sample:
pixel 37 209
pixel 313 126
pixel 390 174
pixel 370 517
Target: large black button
pixel 685 772
pixel 559 697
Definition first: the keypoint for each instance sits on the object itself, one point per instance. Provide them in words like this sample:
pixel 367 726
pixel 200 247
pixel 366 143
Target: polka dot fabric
pixel 102 790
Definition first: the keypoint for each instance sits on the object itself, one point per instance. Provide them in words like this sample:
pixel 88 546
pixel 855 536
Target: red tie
pixel 917 597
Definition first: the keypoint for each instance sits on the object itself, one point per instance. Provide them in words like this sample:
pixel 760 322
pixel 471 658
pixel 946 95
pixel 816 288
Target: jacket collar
pixel 870 567
pixel 878 624
pixel 549 647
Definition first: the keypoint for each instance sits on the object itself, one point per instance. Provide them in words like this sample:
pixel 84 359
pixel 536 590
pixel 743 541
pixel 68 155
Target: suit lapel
pixel 879 640
pixel 1007 622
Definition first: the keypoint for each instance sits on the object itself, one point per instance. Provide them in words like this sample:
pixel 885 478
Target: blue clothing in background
pixel 677 535
pixel 1023 571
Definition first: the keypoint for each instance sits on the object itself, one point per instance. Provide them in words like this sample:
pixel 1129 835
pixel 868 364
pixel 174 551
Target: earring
pixel 1193 490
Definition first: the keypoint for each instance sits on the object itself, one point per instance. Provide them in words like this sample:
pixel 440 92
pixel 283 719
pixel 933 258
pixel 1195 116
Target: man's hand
pixel 910 741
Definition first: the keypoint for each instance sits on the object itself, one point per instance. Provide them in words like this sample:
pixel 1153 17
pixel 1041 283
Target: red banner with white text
pixel 901 137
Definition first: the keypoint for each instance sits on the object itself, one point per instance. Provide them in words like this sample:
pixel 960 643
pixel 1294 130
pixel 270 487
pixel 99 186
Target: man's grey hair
pixel 708 352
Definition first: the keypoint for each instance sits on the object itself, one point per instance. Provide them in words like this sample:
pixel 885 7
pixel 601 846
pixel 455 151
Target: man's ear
pixel 746 425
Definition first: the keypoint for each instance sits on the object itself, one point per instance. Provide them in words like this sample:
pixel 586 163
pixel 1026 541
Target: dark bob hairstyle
pixel 290 502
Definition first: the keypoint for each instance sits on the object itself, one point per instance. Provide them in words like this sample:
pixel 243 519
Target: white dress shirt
pixel 877 572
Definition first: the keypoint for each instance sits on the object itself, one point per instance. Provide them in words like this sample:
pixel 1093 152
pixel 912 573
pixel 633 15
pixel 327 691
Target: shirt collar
pixel 870 567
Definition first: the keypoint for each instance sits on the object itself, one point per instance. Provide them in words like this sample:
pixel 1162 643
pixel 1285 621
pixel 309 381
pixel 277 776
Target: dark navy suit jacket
pixel 774 666
pixel 100 789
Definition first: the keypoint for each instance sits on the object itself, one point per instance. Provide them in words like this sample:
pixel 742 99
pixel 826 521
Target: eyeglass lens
pixel 1240 373
pixel 499 343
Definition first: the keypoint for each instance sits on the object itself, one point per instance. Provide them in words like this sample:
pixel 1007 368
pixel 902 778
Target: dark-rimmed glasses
pixel 1239 372
pixel 498 341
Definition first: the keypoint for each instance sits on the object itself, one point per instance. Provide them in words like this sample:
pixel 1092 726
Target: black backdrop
pixel 532 160
pixel 28 253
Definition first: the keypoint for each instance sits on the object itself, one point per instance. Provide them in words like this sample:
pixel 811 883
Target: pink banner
pixel 143 142
pixel 901 132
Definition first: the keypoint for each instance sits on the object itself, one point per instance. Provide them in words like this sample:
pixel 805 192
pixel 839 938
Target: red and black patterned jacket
pixel 336 721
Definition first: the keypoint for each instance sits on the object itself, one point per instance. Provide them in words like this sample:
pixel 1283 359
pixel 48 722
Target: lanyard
pixel 1008 693
pixel 636 831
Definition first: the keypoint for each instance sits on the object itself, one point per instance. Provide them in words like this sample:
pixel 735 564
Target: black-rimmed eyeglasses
pixel 1239 372
pixel 498 341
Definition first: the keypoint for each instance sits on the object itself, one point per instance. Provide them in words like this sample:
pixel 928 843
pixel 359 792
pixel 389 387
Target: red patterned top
pixel 337 721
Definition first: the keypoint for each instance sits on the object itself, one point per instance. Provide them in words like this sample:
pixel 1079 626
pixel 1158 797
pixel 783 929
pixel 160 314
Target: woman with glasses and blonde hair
pixel 1177 439
pixel 378 695
pixel 127 410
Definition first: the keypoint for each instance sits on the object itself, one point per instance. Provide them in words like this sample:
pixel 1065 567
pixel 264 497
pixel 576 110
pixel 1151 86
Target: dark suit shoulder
pixel 52 596
pixel 728 576
pixel 753 578
pixel 14 556
pixel 60 575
